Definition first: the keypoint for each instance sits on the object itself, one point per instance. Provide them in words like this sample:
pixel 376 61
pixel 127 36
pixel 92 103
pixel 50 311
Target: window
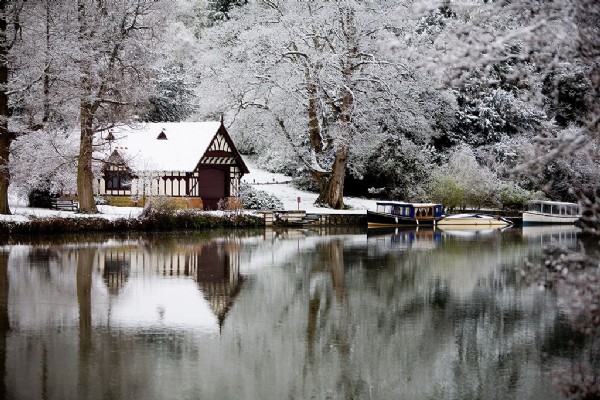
pixel 117 180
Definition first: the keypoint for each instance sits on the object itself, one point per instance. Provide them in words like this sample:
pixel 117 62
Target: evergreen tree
pixel 173 100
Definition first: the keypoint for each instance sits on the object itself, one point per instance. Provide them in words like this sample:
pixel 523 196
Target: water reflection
pixel 562 235
pixel 383 240
pixel 420 314
pixel 4 320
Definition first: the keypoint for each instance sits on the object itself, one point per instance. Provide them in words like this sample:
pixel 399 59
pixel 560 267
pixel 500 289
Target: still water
pixel 296 314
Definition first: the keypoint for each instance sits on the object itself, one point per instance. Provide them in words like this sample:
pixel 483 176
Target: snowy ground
pixel 22 213
pixel 266 181
pixel 276 184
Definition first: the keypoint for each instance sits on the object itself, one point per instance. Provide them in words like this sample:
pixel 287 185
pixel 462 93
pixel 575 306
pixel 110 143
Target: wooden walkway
pixel 301 219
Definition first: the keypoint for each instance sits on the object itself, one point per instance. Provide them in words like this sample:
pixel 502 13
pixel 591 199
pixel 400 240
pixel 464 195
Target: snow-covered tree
pixel 29 63
pixel 114 47
pixel 319 74
pixel 44 161
pixel 400 169
pixel 566 90
pixel 554 34
pixel 173 100
pixel 569 176
pixel 549 36
pixel 176 66
pixel 488 110
pixel 219 10
pixel 10 33
pixel 463 182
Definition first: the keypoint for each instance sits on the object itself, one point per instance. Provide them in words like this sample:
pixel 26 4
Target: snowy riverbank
pixel 275 184
pixel 279 185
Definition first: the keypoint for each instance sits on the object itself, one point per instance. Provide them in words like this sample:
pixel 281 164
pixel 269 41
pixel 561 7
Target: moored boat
pixel 551 212
pixel 395 213
pixel 474 219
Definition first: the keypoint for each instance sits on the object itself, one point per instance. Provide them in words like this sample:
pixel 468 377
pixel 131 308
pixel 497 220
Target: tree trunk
pixel 87 110
pixel 6 137
pixel 4 173
pixel 314 127
pixel 85 175
pixel 332 194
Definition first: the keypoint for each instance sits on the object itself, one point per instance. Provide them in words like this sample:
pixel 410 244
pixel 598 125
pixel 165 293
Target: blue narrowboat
pixel 394 213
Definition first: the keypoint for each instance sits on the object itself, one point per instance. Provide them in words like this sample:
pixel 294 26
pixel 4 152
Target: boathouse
pixel 195 161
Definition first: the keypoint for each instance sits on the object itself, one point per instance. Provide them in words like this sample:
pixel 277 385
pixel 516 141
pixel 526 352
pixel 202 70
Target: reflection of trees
pixel 4 321
pixel 429 319
pixel 490 323
pixel 337 313
pixel 574 276
pixel 63 342
pixel 491 352
pixel 85 263
pixel 43 258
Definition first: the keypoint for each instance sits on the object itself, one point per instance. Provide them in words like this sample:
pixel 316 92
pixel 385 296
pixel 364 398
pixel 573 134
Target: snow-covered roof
pixel 141 148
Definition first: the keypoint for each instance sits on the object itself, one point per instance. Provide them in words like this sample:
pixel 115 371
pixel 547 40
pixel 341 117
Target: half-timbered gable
pixel 193 160
pixel 117 175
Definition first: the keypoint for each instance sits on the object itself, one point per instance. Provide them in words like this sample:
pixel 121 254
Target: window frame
pixel 117 180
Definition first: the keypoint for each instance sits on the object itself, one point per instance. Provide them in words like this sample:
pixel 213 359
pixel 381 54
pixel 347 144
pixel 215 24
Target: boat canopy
pixel 411 210
pixel 553 207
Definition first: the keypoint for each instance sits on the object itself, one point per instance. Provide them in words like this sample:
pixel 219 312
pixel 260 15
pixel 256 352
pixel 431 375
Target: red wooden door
pixel 212 187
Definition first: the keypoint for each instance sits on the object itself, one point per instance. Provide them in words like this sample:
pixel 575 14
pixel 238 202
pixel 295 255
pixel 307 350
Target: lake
pixel 293 314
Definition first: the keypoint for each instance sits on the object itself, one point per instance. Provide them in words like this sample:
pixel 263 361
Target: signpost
pixel 298 201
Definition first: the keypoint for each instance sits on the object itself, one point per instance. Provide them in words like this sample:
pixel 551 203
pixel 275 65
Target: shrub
pixel 513 197
pixel 180 221
pixel 447 191
pixel 230 204
pixel 163 206
pixel 253 199
pixel 41 198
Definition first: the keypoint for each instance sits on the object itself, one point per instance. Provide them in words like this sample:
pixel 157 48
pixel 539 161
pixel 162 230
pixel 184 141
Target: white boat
pixel 466 231
pixel 551 212
pixel 468 220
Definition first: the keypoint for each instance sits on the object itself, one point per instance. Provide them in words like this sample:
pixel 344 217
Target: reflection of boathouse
pixel 214 266
pixel 218 275
pixel 116 269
